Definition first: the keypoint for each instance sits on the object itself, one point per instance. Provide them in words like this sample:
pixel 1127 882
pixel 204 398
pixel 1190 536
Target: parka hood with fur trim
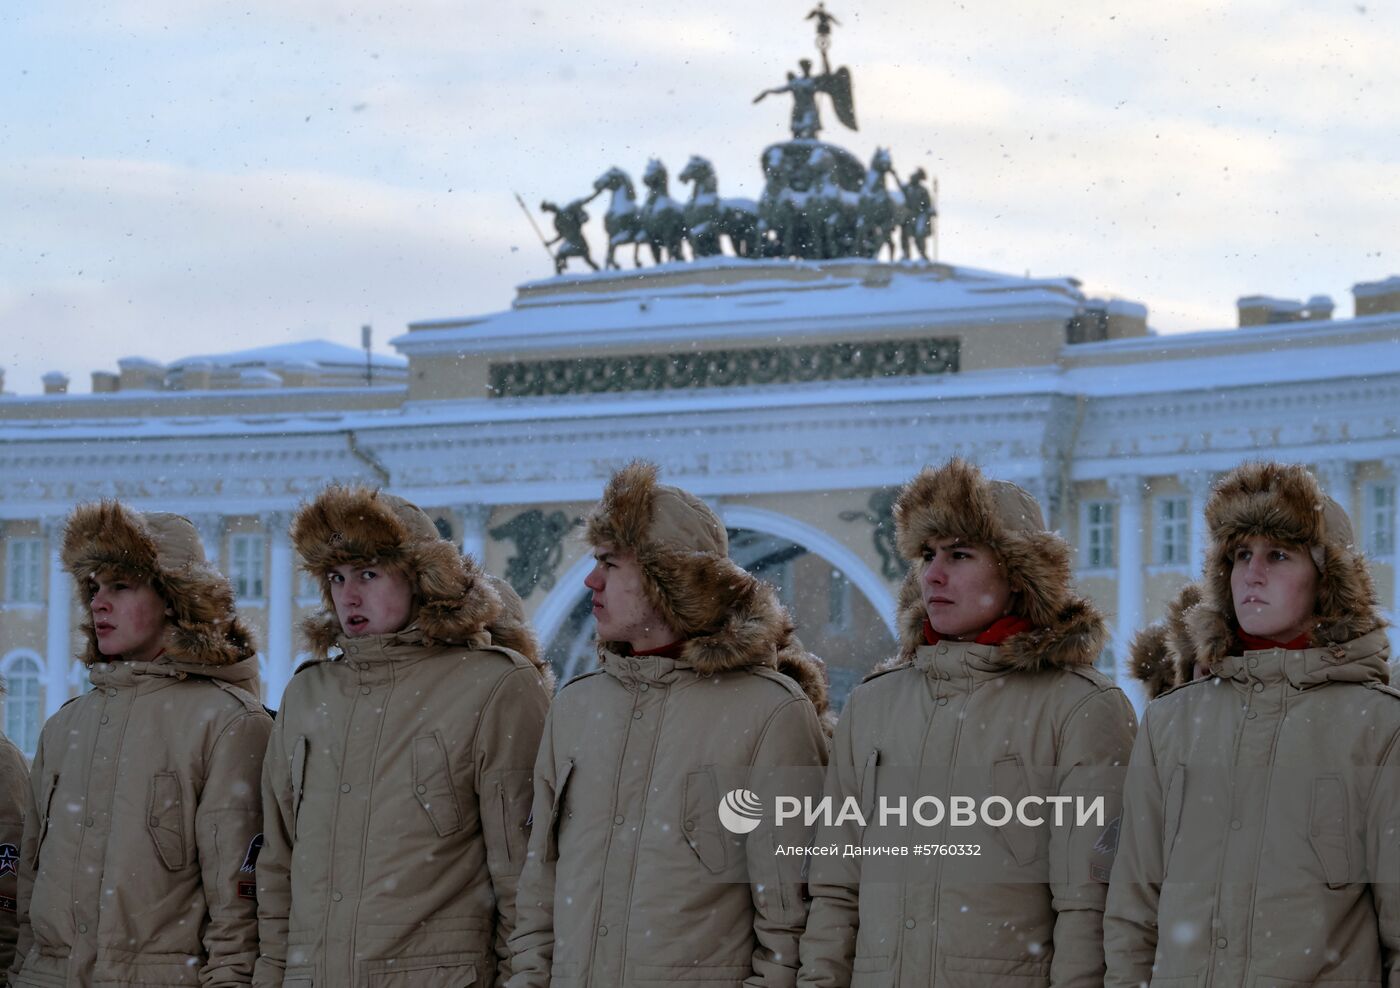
pixel 202 628
pixel 1162 655
pixel 957 501
pixel 728 618
pixel 456 601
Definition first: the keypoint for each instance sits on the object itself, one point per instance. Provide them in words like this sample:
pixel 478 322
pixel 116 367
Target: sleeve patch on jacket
pixel 250 860
pixel 248 889
pixel 1108 840
pixel 9 860
pixel 1106 848
pixel 7 905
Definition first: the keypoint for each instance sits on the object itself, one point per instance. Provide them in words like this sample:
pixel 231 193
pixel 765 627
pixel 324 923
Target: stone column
pixel 475 518
pixel 280 589
pixel 1198 483
pixel 1128 539
pixel 1336 477
pixel 211 534
pixel 58 647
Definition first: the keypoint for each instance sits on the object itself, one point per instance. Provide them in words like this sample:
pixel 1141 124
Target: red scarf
pixel 671 651
pixel 1253 643
pixel 998 632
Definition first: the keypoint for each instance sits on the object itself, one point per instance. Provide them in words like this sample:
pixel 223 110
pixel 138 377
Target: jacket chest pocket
pixel 45 807
pixel 1328 831
pixel 700 819
pixel 1172 804
pixel 867 786
pixel 297 768
pixel 432 784
pixel 556 812
pixel 1009 780
pixel 165 819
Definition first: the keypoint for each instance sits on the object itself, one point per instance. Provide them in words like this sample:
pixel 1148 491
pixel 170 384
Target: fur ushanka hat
pixel 955 501
pixel 1284 504
pixel 110 539
pixel 359 526
pixel 728 618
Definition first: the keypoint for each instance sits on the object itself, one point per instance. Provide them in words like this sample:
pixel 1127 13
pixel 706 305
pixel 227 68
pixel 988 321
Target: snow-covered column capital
pixel 211 528
pixel 1198 484
pixel 1336 477
pixel 58 631
pixel 1129 491
pixel 475 518
pixel 277 653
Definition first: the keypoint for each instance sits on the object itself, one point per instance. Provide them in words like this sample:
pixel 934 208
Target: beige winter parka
pixel 141 832
pixel 628 878
pixel 1261 825
pixel 14 797
pixel 139 847
pixel 631 880
pixel 397 785
pixel 1030 717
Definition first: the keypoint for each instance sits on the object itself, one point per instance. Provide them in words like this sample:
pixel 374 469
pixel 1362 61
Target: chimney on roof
pixel 196 375
pixel 105 383
pixel 140 374
pixel 1376 297
pixel 1264 310
pixel 2 380
pixel 55 383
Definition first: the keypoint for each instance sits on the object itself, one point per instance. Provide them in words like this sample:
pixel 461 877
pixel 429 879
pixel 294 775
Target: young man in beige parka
pixel 993 692
pixel 631 881
pixel 1261 822
pixel 397 785
pixel 143 823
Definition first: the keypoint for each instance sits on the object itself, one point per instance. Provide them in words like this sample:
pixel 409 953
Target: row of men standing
pixel 421 814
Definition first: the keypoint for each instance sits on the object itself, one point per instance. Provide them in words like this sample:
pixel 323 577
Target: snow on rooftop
pixel 322 353
pixel 139 363
pixel 763 296
pixel 1367 289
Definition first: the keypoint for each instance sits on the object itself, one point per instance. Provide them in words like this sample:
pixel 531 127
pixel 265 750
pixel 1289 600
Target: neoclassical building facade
pixel 794 396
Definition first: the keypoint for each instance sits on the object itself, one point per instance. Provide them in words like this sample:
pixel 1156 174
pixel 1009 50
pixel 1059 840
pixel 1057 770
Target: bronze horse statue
pixel 708 217
pixel 623 220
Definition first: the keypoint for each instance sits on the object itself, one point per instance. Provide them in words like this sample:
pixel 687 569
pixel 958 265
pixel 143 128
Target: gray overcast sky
pixel 185 176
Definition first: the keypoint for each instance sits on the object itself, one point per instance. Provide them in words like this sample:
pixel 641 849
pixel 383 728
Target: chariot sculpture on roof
pixel 818 202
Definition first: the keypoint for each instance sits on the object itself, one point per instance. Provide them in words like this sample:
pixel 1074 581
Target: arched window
pixel 24 701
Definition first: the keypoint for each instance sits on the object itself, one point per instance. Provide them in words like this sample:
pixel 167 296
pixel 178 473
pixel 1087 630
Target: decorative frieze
pixel 867 360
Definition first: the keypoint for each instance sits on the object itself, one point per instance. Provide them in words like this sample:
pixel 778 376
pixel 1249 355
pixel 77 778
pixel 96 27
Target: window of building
pixel 1380 519
pixel 24 702
pixel 1172 545
pixel 246 566
pixel 23 567
pixel 1098 534
pixel 308 587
